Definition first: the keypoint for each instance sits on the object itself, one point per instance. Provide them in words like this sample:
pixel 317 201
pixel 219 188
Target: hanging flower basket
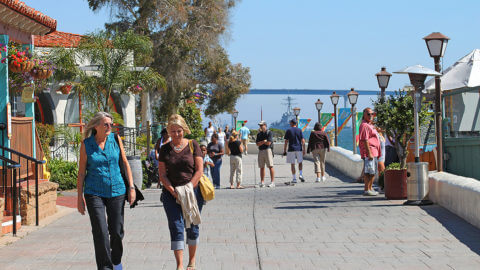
pixel 20 67
pixel 135 89
pixel 65 89
pixel 41 74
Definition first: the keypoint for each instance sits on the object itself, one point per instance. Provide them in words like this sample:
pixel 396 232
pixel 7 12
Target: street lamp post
pixel 436 44
pixel 296 112
pixel 319 105
pixel 235 114
pixel 334 97
pixel 383 77
pixel 352 98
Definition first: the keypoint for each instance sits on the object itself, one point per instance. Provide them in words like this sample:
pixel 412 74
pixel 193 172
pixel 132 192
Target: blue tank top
pixel 103 176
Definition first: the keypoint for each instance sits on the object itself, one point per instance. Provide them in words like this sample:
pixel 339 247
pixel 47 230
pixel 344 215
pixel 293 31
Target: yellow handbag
pixel 206 186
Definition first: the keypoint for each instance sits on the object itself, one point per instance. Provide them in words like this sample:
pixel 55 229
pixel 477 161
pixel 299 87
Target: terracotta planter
pixel 41 74
pixel 395 184
pixel 25 66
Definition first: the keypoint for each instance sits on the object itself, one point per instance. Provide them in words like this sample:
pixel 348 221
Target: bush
pixel 393 166
pixel 64 173
pixel 45 133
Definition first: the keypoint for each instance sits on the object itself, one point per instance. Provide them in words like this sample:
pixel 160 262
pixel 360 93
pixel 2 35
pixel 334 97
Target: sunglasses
pixel 370 114
pixel 108 125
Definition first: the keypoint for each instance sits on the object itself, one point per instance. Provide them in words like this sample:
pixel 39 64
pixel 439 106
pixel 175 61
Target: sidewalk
pixel 308 226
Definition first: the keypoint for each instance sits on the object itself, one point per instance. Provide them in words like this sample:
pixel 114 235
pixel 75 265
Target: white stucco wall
pixel 460 195
pixel 345 161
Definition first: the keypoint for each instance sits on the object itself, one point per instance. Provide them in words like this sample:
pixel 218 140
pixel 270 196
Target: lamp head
pixel 352 96
pixel 334 97
pixel 319 105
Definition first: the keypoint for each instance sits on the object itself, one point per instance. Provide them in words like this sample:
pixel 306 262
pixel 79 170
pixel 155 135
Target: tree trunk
pixel 146 112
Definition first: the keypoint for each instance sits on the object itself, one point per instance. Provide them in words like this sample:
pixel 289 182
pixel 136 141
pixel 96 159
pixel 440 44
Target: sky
pixel 318 44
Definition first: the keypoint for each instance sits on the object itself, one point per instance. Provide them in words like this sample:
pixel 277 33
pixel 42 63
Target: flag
pixel 303 123
pixel 325 119
pixel 358 123
pixel 239 124
pixel 344 115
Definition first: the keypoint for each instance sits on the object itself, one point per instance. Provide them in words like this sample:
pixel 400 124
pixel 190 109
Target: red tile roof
pixel 31 13
pixel 57 39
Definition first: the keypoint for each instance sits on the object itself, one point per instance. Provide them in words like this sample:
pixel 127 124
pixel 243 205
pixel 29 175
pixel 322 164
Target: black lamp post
pixel 436 44
pixel 235 114
pixel 383 77
pixel 319 105
pixel 352 98
pixel 334 97
pixel 296 112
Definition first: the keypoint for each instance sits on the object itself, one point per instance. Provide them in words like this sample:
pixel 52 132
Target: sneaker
pixel 301 178
pixel 261 184
pixel 374 191
pixel 118 267
pixel 291 183
pixel 317 180
pixel 370 193
pixel 324 178
pixel 272 185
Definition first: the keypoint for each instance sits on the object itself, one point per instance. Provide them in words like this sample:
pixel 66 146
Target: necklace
pixel 177 148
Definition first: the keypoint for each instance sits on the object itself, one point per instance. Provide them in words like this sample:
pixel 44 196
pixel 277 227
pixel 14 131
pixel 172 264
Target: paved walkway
pixel 308 226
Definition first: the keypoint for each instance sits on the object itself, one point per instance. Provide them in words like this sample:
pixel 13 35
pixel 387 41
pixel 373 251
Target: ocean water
pixel 344 138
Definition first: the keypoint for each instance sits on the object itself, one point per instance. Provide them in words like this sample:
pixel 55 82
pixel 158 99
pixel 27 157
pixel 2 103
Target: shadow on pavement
pixel 300 207
pixel 458 227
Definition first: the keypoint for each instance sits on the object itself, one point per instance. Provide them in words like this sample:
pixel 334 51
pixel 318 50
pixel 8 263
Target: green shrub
pixel 393 166
pixel 45 133
pixel 64 173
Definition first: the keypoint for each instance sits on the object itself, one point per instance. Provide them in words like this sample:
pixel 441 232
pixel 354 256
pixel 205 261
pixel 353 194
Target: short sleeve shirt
pixel 180 166
pixel 215 148
pixel 294 136
pixel 261 136
pixel 244 132
pixel 235 148
pixel 103 176
pixel 368 133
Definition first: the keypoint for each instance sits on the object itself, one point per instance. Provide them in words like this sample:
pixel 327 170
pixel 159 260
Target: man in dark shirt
pixel 296 149
pixel 265 155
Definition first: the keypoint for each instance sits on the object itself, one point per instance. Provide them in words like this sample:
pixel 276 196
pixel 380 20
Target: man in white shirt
pixel 209 132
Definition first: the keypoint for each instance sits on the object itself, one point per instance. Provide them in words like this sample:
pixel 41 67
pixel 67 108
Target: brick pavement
pixel 311 225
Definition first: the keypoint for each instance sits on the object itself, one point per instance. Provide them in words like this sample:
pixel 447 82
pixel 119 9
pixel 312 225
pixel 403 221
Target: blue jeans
pixel 176 223
pixel 107 230
pixel 216 172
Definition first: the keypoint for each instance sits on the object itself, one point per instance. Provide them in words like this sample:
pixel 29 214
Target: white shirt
pixel 221 138
pixel 210 131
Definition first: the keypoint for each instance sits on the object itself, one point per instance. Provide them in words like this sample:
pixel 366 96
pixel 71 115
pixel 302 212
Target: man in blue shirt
pixel 244 133
pixel 296 149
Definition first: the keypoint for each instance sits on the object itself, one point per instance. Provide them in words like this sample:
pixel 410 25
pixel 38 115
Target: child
pixel 207 161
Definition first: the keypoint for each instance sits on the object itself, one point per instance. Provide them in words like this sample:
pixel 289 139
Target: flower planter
pixel 41 74
pixel 395 184
pixel 25 66
pixel 65 89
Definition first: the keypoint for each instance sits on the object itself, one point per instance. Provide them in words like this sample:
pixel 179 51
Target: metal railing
pixel 18 175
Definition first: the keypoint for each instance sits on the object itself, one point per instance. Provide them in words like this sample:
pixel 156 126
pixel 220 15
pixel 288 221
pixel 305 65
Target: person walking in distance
pixel 265 153
pixel 101 187
pixel 319 144
pixel 235 147
pixel 209 132
pixel 369 151
pixel 221 137
pixel 296 149
pixel 244 133
pixel 215 151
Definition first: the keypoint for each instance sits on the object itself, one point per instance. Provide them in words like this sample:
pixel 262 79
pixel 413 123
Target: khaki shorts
pixel 265 158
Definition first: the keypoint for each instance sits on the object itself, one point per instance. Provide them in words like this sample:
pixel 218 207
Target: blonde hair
pixel 90 127
pixel 176 119
pixel 233 136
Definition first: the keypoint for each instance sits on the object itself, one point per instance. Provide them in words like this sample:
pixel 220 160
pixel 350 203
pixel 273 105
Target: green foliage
pixel 278 132
pixel 71 136
pixel 188 52
pixel 191 113
pixel 395 116
pixel 45 134
pixel 394 166
pixel 64 173
pixel 141 142
pixel 253 132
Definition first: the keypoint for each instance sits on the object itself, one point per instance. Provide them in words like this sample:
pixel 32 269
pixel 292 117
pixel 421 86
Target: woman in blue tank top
pixel 101 188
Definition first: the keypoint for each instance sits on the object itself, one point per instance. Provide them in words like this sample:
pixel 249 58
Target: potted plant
pixel 65 88
pixel 19 60
pixel 395 116
pixel 42 69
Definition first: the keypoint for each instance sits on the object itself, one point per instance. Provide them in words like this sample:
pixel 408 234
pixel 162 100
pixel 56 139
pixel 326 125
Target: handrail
pixel 22 155
pixel 13 163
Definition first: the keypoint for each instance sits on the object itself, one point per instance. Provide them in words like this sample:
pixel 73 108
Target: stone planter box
pixel 47 202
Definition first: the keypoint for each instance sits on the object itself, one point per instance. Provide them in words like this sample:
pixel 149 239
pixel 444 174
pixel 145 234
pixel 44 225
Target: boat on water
pixel 284 122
